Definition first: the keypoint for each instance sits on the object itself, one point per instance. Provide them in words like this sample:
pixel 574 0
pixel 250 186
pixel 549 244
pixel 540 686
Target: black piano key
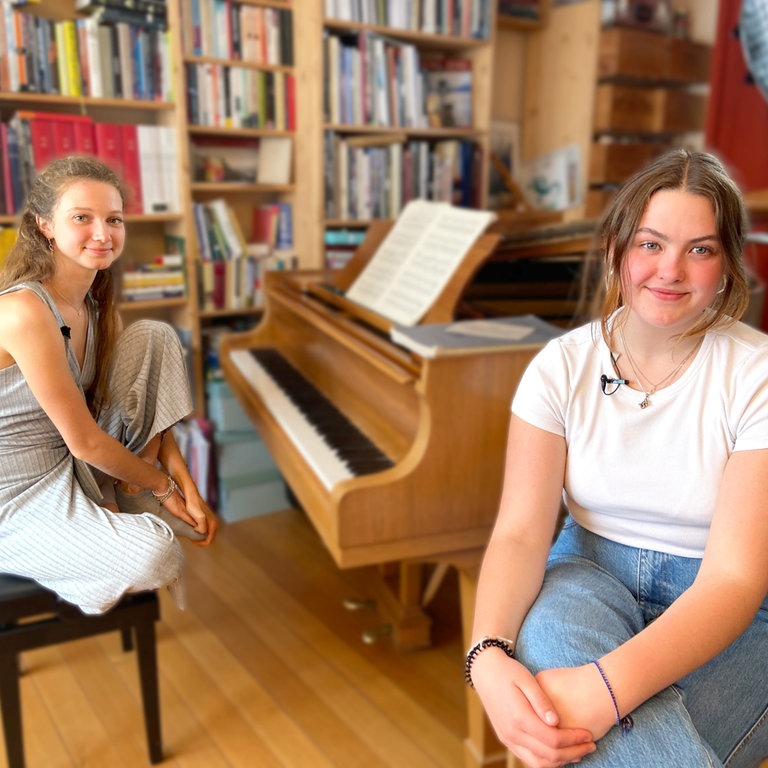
pixel 341 435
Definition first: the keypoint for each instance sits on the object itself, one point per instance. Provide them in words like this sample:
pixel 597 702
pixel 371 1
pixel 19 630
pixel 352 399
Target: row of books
pixel 220 235
pixel 164 277
pixel 239 97
pixel 144 156
pixel 239 283
pixel 373 80
pixel 340 245
pixel 225 29
pixel 464 18
pixel 367 180
pixel 83 57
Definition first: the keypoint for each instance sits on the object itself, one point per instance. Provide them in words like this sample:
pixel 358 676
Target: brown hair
pixel 699 173
pixel 32 260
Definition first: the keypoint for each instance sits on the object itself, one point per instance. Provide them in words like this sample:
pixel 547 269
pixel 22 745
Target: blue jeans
pixel 596 595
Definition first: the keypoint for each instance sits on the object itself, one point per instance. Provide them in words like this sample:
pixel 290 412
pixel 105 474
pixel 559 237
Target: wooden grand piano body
pixel 442 422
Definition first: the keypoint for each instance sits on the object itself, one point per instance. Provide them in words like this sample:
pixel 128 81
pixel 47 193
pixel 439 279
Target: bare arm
pixel 721 603
pixel 523 716
pixel 31 338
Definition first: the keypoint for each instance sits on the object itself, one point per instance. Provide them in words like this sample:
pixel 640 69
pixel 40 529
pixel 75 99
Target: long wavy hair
pixel 32 260
pixel 699 173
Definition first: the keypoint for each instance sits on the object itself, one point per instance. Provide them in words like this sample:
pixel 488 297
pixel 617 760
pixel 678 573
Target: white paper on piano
pixel 466 337
pixel 417 258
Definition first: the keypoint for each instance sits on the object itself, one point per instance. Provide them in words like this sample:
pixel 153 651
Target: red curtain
pixel 737 113
pixel 737 123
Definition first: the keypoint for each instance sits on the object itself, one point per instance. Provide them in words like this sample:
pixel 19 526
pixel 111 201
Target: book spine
pixel 10 47
pixel 7 186
pixel 131 168
pixel 108 140
pixel 84 137
pixel 72 58
pixel 17 190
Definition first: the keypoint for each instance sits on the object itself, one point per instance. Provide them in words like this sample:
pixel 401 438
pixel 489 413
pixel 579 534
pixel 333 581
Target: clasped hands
pixel 191 508
pixel 548 720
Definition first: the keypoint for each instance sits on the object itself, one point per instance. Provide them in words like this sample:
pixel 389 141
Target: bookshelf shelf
pixel 214 314
pixel 238 188
pixel 84 103
pixel 423 39
pixel 235 133
pixel 243 63
pixel 144 306
pixel 407 131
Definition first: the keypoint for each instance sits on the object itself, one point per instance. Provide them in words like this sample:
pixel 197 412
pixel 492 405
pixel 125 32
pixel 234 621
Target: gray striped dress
pixel 52 528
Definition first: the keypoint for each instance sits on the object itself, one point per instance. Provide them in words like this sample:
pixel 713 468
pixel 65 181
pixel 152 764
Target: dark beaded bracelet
pixel 508 646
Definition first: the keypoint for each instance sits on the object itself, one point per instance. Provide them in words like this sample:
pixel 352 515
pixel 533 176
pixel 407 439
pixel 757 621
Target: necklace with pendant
pixel 640 376
pixel 77 311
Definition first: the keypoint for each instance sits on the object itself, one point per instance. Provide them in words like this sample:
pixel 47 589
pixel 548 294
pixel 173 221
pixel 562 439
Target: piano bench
pixel 34 617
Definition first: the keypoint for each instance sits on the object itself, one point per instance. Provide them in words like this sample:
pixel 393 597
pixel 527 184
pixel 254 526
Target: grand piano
pixel 397 459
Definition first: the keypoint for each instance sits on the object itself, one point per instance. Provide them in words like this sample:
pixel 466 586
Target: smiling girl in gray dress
pixel 93 488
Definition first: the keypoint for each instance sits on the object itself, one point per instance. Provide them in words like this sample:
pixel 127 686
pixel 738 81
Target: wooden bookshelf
pixel 312 28
pixel 305 187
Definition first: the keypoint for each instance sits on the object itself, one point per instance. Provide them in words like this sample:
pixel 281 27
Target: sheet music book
pixel 463 337
pixel 417 258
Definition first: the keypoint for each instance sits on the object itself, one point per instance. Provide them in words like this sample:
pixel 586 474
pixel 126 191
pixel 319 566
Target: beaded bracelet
pixel 625 723
pixel 508 646
pixel 167 495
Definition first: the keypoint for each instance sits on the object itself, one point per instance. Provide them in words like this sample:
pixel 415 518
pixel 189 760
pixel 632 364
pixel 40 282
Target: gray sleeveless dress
pixel 52 528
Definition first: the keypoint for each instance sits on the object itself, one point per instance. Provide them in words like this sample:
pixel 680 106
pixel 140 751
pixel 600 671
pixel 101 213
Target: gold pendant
pixel 645 402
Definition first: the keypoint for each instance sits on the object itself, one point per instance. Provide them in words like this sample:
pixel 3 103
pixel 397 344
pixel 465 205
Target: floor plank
pixel 266 668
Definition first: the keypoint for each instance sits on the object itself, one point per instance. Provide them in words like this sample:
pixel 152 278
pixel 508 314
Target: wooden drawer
pixel 632 53
pixel 689 62
pixel 625 109
pixel 613 163
pixel 630 109
pixel 682 111
pixel 651 56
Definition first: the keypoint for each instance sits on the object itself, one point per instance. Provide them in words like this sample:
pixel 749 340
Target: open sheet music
pixel 417 258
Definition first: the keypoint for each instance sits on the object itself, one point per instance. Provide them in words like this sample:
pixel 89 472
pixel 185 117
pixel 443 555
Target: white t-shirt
pixel 649 477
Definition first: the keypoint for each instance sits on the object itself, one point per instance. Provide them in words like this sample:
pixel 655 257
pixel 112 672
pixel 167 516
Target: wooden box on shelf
pixel 640 110
pixel 651 56
pixel 611 163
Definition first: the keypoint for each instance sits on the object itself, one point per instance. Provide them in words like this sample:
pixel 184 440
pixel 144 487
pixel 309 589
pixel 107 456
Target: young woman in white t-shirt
pixel 640 639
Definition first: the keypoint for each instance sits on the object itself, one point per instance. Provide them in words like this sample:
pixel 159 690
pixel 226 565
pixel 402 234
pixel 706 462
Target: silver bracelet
pixel 167 495
pixel 506 645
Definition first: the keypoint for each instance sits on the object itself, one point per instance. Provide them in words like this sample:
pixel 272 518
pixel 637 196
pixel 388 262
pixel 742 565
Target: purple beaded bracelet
pixel 625 723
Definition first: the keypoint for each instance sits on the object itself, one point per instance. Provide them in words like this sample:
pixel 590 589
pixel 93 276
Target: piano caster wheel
pixel 356 604
pixel 374 634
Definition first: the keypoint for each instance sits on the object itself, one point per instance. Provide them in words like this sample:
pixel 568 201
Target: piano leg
pixel 397 590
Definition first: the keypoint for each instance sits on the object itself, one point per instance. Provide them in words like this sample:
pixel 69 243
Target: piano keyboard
pixel 331 444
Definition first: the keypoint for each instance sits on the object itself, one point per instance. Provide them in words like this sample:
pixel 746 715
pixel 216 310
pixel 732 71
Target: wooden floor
pixel 266 668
